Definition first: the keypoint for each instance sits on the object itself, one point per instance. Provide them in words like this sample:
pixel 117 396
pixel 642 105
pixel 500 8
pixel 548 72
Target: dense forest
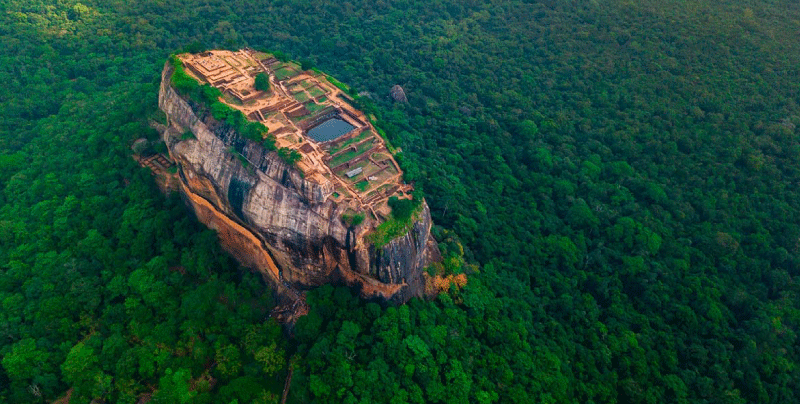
pixel 619 180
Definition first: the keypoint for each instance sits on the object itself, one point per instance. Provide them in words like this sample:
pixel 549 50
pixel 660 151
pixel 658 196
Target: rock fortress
pixel 314 208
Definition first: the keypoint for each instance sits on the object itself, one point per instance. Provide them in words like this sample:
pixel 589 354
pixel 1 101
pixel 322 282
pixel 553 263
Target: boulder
pixel 398 94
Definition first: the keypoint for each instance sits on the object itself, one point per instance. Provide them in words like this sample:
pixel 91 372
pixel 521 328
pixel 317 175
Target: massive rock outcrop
pixel 272 219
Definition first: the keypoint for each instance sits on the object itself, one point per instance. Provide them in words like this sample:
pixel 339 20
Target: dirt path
pixel 288 383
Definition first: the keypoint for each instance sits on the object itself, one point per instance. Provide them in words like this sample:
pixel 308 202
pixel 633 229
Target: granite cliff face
pixel 272 219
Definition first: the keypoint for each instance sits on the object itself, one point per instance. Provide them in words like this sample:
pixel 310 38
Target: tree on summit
pixel 262 82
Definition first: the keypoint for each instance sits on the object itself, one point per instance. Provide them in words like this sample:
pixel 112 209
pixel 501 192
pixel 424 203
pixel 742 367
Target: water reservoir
pixel 329 130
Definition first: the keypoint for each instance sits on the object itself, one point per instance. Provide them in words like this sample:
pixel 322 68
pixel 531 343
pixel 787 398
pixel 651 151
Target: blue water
pixel 330 129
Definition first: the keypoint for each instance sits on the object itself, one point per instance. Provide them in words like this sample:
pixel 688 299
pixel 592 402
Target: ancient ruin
pixel 305 112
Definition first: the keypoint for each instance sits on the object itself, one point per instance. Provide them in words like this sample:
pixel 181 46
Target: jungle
pixel 619 181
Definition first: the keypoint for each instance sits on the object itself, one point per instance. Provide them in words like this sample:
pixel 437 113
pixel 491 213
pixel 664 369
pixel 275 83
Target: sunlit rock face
pixel 270 218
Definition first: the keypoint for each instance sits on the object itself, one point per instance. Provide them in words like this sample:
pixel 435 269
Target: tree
pixel 220 111
pixel 228 360
pixel 174 387
pixel 289 156
pixel 24 361
pixel 403 208
pixel 280 55
pixel 306 64
pixel 271 359
pixel 262 82
pixel 81 371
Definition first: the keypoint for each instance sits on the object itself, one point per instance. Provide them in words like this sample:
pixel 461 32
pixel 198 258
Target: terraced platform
pixel 304 111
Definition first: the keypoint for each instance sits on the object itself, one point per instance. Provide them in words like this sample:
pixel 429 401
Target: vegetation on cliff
pixel 207 97
pixel 625 176
pixel 404 214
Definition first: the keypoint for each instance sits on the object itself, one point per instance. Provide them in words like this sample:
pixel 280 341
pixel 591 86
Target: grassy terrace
pixel 347 156
pixel 381 174
pixel 342 192
pixel 300 96
pixel 314 107
pixel 300 118
pixel 286 70
pixel 383 187
pixel 315 91
pixel 362 136
pixel 341 172
pixel 284 73
pixel 231 100
pixel 362 185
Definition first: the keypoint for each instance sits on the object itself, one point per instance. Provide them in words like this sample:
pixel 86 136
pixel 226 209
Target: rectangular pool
pixel 329 130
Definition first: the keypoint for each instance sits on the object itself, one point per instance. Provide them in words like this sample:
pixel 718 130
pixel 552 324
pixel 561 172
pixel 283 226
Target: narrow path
pixel 288 383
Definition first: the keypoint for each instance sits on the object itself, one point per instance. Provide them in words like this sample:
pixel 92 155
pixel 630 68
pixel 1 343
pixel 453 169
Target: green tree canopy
pixel 262 82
